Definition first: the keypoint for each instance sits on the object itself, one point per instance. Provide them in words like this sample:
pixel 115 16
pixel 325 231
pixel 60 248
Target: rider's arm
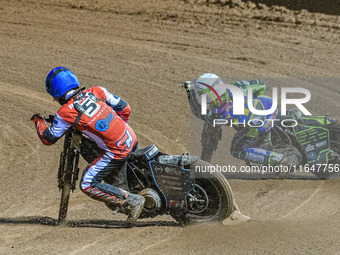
pixel 195 105
pixel 50 135
pixel 258 87
pixel 121 107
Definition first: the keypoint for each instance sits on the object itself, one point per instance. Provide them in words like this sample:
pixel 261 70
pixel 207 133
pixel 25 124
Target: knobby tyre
pixel 334 156
pixel 66 186
pixel 334 133
pixel 219 203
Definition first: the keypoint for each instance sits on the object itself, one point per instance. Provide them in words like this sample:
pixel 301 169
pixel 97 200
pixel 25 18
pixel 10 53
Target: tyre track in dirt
pixel 317 190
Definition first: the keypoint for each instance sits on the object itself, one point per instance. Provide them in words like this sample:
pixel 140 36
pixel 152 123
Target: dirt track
pixel 142 54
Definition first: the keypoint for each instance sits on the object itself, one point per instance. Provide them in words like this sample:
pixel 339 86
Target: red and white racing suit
pixel 104 120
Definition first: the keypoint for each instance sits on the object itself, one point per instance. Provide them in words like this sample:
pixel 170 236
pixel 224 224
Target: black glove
pixel 50 119
pixel 187 85
pixel 36 116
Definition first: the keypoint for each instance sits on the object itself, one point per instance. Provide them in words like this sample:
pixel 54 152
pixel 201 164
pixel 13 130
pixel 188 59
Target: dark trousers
pixel 105 179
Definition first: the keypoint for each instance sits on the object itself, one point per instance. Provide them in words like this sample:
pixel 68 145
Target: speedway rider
pixel 251 144
pixel 103 117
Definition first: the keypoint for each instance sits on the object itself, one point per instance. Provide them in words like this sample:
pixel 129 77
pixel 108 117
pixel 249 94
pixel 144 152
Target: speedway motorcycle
pixel 314 141
pixel 168 182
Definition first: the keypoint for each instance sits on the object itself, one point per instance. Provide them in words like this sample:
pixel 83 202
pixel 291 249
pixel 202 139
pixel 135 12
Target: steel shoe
pixel 134 204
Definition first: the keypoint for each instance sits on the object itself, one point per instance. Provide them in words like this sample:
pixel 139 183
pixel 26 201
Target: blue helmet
pixel 59 81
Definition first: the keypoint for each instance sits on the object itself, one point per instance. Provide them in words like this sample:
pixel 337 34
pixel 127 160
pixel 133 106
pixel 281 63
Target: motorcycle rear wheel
pixel 334 134
pixel 215 187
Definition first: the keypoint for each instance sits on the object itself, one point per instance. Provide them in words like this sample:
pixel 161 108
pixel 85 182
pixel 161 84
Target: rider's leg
pixel 251 145
pixel 118 178
pixel 91 181
pixel 92 185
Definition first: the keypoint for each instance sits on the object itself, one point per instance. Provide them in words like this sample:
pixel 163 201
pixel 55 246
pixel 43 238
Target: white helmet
pixel 207 83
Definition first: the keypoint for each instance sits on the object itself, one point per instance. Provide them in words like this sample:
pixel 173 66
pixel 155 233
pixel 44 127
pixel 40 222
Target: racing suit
pixel 102 117
pixel 251 144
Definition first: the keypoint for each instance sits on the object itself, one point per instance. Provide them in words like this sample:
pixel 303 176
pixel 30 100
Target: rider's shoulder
pixel 98 91
pixel 245 83
pixel 92 89
pixel 257 82
pixel 257 86
pixel 67 110
pixel 241 84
